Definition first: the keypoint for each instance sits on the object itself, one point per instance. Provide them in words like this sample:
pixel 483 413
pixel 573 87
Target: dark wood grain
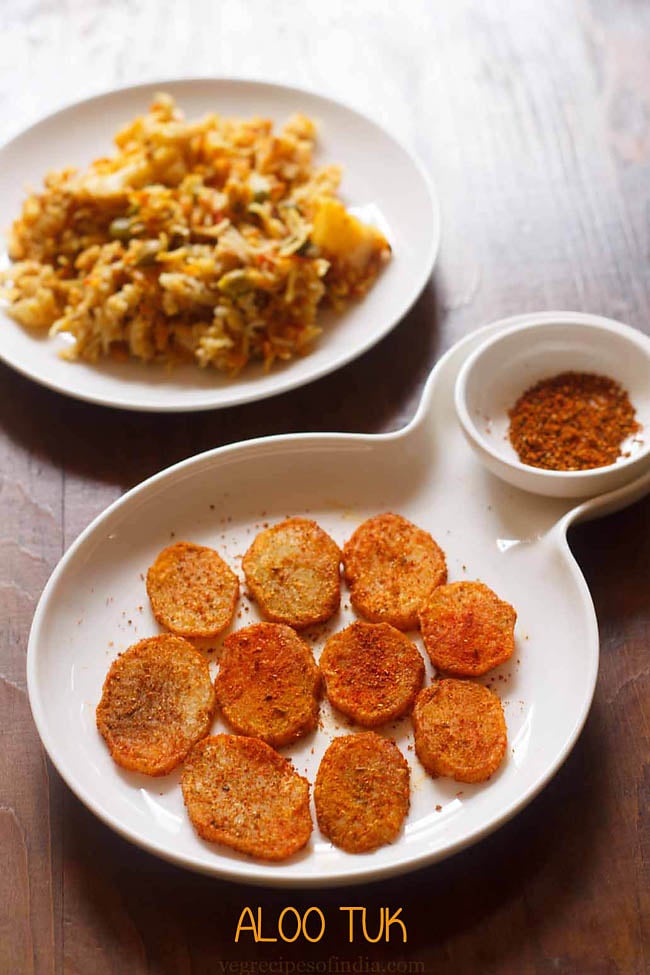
pixel 533 119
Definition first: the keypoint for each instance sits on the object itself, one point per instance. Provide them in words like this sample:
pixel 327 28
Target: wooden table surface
pixel 533 119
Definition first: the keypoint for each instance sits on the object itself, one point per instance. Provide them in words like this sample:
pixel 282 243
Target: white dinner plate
pixel 95 605
pixel 382 182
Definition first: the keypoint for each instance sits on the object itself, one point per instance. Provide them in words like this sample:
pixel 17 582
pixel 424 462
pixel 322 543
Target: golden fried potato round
pixel 292 572
pixel 268 683
pixel 241 793
pixel 192 591
pixel 391 566
pixel 362 792
pixel 372 672
pixel 157 701
pixel 467 630
pixel 460 730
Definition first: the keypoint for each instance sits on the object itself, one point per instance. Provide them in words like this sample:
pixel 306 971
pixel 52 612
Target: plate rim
pixel 206 402
pixel 557 538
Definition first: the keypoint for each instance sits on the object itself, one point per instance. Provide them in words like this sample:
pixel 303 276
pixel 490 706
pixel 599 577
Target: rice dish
pixel 214 241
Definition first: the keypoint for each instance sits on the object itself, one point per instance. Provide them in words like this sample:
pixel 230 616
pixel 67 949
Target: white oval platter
pixel 95 605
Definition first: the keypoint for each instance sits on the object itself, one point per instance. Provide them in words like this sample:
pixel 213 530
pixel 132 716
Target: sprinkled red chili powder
pixel 571 422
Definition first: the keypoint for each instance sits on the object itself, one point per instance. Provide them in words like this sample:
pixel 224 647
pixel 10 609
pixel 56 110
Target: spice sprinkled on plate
pixel 572 421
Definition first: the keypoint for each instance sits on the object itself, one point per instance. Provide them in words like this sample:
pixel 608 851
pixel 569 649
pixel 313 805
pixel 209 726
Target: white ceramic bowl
pixel 536 347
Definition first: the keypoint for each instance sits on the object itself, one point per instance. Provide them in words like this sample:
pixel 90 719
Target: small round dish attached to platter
pixel 382 183
pixel 95 606
pixel 536 348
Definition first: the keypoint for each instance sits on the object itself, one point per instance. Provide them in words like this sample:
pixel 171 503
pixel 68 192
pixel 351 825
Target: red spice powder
pixel 572 422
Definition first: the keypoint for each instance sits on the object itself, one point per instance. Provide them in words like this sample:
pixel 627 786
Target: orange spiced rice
pixel 215 240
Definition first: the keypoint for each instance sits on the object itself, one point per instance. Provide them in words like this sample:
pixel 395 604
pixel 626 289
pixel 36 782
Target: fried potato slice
pixel 460 730
pixel 467 630
pixel 192 591
pixel 157 701
pixel 372 672
pixel 391 566
pixel 268 683
pixel 239 792
pixel 292 571
pixel 362 792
